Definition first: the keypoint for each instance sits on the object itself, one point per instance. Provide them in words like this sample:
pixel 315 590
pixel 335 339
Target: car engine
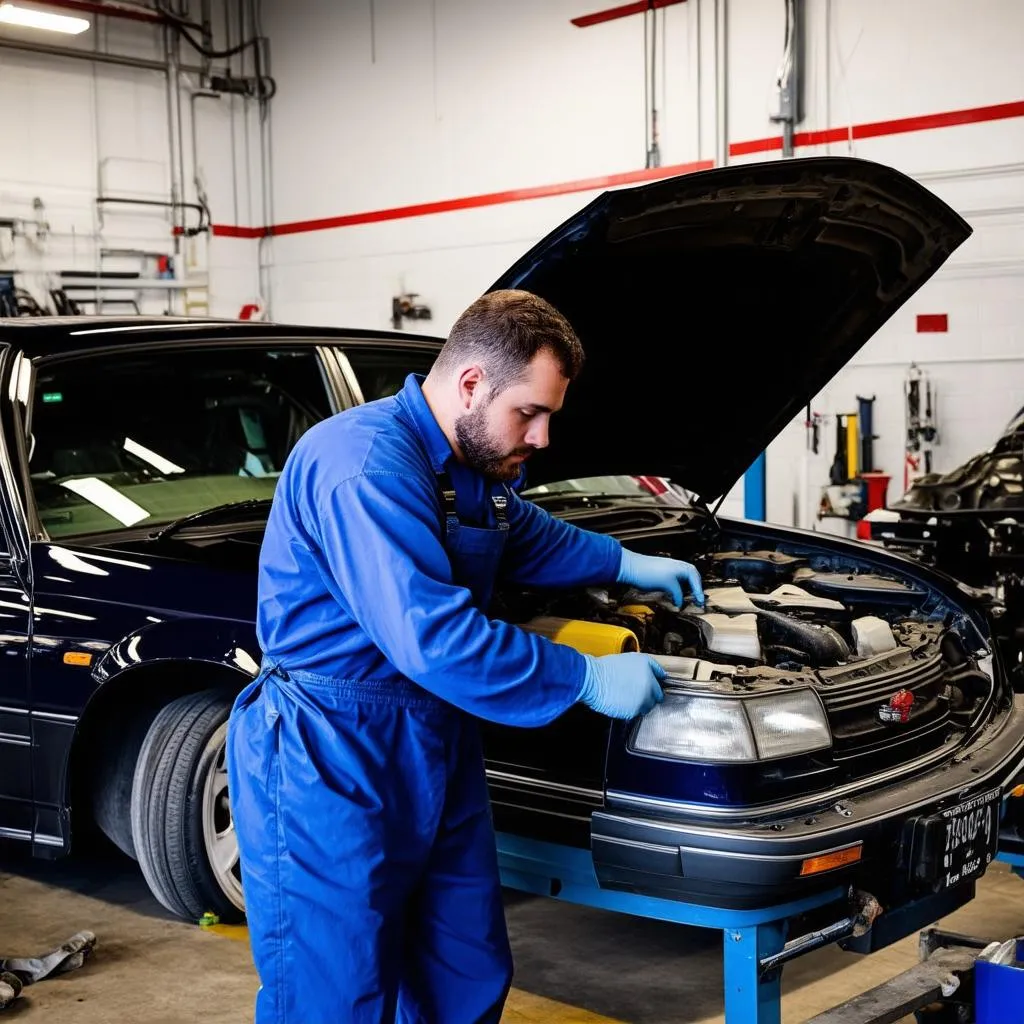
pixel 775 621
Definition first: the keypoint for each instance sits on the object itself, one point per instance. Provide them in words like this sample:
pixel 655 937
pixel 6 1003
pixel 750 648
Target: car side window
pixel 123 439
pixel 381 372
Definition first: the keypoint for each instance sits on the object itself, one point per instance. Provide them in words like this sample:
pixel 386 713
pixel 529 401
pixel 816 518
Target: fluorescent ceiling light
pixel 30 17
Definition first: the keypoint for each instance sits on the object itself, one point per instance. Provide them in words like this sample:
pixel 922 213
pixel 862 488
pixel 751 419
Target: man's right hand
pixel 622 685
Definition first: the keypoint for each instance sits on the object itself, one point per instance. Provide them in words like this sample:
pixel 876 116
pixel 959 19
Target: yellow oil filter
pixel 597 638
pixel 643 612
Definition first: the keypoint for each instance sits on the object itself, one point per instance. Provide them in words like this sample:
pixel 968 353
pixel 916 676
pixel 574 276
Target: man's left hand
pixel 649 572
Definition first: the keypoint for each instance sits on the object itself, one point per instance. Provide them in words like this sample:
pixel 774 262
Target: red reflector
pixel 932 323
pixel 863 530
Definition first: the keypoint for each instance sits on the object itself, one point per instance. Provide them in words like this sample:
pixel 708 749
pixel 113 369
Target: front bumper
pixel 653 848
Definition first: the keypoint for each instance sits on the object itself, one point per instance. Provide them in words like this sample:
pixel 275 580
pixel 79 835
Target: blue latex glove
pixel 622 685
pixel 649 572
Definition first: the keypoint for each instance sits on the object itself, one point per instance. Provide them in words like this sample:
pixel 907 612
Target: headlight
pixel 705 728
pixel 696 729
pixel 791 723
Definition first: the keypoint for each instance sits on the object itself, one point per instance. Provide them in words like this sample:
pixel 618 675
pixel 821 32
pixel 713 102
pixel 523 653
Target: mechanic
pixel 357 777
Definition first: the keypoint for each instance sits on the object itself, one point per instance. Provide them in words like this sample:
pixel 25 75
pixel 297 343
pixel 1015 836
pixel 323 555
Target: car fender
pixel 224 643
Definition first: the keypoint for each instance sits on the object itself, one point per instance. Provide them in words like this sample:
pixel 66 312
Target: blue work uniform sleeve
pixel 385 564
pixel 545 551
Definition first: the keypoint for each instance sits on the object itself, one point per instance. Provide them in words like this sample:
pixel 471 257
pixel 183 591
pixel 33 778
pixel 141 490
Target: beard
pixel 480 450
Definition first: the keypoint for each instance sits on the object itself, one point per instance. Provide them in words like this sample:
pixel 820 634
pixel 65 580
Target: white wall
pixel 73 129
pixel 454 98
pixel 874 61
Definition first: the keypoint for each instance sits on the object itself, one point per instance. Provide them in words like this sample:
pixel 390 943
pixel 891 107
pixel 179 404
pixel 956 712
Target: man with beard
pixel 356 772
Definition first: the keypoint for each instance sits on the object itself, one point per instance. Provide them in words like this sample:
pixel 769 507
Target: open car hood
pixel 713 306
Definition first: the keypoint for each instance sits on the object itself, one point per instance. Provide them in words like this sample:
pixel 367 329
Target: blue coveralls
pixel 354 758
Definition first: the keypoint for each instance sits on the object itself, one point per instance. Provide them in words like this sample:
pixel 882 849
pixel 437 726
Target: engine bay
pixel 773 619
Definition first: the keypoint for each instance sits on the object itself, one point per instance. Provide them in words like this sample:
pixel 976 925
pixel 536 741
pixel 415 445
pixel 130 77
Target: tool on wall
pixel 865 422
pixel 855 486
pixel 843 496
pixel 405 307
pixel 874 481
pixel 839 474
pixel 921 430
pixel 812 424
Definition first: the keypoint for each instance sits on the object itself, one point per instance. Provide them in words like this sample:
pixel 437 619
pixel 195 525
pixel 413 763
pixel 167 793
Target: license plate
pixel 971 838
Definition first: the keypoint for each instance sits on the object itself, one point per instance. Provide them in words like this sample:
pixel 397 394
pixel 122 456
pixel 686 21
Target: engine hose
pixel 821 645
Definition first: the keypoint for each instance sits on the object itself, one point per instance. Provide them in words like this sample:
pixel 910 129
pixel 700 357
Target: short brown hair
pixel 505 330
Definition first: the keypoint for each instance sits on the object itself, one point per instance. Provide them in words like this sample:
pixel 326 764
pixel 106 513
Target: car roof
pixel 56 335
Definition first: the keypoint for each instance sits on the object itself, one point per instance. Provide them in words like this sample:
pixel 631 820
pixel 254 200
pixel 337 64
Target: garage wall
pixel 873 62
pixel 448 99
pixel 74 129
pixel 420 101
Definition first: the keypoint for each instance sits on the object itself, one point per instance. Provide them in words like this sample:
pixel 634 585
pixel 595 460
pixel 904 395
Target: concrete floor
pixel 572 964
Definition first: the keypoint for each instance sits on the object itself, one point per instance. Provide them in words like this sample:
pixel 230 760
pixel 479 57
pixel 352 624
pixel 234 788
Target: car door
pixel 543 782
pixel 17 817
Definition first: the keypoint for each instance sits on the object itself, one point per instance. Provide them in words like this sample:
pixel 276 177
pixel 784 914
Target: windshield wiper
pixel 235 512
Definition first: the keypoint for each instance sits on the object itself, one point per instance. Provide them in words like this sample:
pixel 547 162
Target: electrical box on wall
pixel 405 307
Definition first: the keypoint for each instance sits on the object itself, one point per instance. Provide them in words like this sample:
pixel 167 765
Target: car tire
pixel 180 816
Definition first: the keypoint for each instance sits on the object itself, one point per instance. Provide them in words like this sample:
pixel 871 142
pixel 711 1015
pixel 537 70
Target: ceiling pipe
pixel 111 10
pixel 788 80
pixel 122 60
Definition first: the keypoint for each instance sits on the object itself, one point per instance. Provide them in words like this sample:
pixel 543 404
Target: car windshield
pixel 148 438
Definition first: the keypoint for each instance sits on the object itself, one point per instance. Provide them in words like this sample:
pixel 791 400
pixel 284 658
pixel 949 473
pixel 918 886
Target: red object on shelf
pixel 932 323
pixel 876 486
pixel 599 17
pixel 248 311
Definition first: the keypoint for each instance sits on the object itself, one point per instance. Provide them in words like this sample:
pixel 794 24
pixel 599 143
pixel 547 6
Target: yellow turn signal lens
pixel 829 861
pixel 1017 791
pixel 77 658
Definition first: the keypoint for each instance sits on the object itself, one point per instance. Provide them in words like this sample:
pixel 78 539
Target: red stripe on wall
pixel 230 231
pixel 875 129
pixel 233 231
pixel 972 115
pixel 599 17
pixel 490 199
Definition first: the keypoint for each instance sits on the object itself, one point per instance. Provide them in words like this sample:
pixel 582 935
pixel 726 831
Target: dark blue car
pixel 835 715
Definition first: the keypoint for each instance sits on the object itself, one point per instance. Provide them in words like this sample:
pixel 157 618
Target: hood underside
pixel 712 307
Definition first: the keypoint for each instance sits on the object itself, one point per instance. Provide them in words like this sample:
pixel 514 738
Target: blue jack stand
pixel 1015 860
pixel 749 937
